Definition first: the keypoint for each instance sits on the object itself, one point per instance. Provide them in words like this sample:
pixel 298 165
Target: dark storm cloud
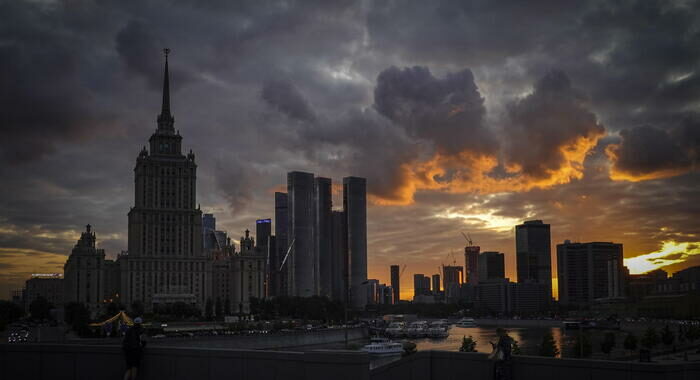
pixel 449 111
pixel 543 123
pixel 286 98
pixel 138 48
pixel 44 99
pixel 268 87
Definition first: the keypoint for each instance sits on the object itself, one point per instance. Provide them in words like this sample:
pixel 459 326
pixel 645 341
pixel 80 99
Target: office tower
pixel 323 234
pixel 426 285
pixel 355 207
pixel 372 289
pixel 588 271
pixel 279 277
pixel 339 249
pixel 418 285
pixel 491 266
pixel 263 231
pixel 208 228
pixel 471 261
pixel 533 254
pixel 436 284
pixel 395 279
pixel 302 263
pixel 84 273
pixel 165 261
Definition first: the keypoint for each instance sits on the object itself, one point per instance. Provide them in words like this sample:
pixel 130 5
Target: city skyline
pixel 257 103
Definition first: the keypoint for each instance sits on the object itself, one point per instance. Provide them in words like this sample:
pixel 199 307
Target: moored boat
pixel 383 346
pixel 466 322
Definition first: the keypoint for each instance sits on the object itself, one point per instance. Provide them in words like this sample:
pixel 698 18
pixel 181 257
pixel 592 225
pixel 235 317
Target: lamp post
pixel 347 302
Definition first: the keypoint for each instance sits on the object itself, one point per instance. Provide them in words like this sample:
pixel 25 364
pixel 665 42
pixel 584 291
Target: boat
pixel 396 329
pixel 466 322
pixel 418 329
pixel 439 329
pixel 383 346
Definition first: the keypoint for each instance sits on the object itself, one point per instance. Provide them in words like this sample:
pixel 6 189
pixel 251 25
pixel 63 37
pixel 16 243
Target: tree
pixel 78 317
pixel 667 336
pixel 468 344
pixel 650 339
pixel 548 347
pixel 209 310
pixel 630 342
pixel 219 308
pixel 608 343
pixel 582 346
pixel 40 308
pixel 9 312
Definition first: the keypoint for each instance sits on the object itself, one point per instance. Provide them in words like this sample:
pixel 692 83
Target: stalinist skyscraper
pixel 165 262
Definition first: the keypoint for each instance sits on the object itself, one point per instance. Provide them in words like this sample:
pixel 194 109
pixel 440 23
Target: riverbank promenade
pixel 82 362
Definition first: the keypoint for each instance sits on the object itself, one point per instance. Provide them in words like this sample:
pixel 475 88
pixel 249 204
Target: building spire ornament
pixel 165 119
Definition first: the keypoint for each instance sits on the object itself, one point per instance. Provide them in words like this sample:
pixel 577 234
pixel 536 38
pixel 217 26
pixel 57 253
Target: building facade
pixel 534 254
pixel 323 234
pixel 491 266
pixel 339 249
pixel 355 207
pixel 589 271
pixel 278 277
pixel 302 263
pixel 395 282
pixel 50 286
pixel 471 264
pixel 84 273
pixel 165 261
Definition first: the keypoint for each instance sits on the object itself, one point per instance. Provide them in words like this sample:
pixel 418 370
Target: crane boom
pixel 289 250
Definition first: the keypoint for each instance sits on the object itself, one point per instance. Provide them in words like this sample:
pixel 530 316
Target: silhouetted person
pixel 502 353
pixel 133 345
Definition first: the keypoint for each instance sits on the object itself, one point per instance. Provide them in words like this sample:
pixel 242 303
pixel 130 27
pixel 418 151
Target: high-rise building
pixel 339 249
pixel 279 283
pixel 165 261
pixel 471 261
pixel 323 234
pixel 302 263
pixel 208 228
pixel 453 276
pixel 355 207
pixel 436 284
pixel 533 254
pixel 419 288
pixel 491 266
pixel 84 273
pixel 395 279
pixel 588 271
pixel 263 231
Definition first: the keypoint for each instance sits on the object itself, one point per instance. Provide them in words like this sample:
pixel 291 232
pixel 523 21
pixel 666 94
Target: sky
pixel 464 116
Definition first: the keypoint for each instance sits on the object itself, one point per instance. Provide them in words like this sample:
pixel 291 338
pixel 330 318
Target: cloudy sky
pixel 463 115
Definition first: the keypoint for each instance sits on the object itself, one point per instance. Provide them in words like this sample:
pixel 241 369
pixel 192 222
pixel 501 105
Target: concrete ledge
pixel 72 361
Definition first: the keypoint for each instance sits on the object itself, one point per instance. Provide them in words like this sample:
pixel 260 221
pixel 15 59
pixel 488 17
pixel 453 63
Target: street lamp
pixel 347 302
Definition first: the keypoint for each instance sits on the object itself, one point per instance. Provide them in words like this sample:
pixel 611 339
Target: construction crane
pixel 468 238
pixel 402 270
pixel 286 256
